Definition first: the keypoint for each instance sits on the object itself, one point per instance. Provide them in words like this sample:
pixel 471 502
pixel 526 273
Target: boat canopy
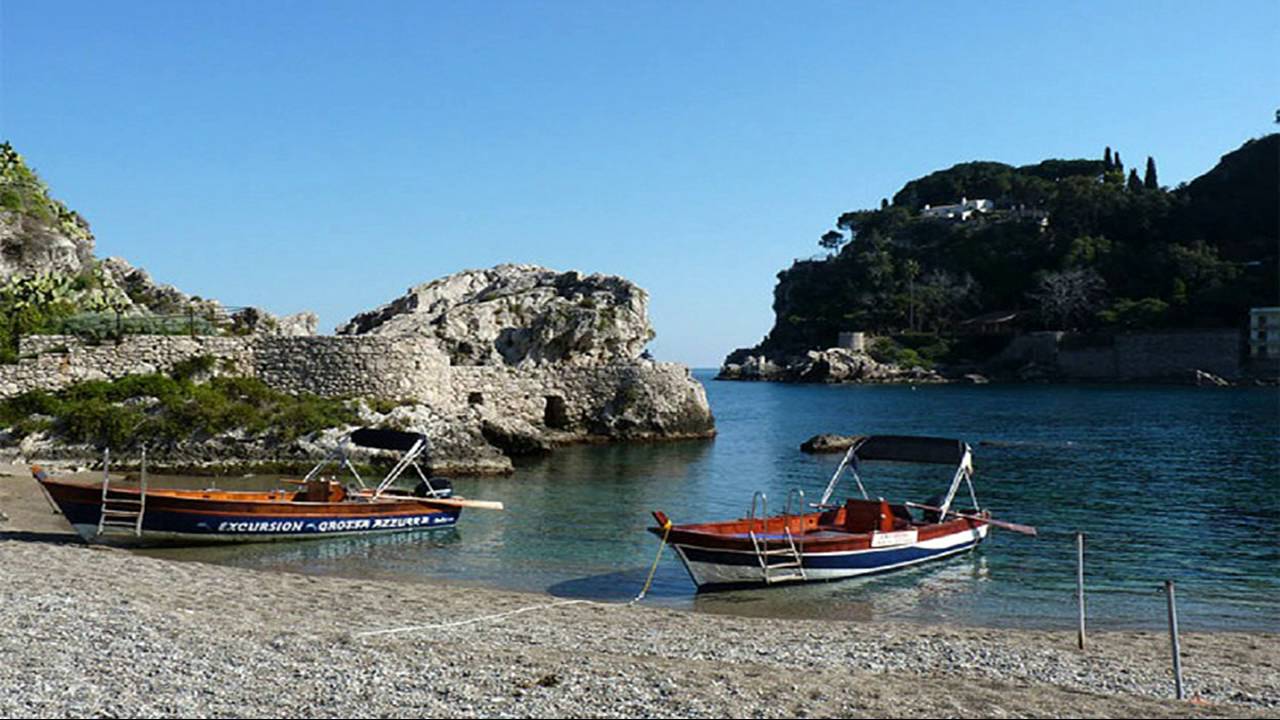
pixel 411 445
pixel 383 439
pixel 911 448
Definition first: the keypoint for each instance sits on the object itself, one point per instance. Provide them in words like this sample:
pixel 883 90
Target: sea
pixel 1165 483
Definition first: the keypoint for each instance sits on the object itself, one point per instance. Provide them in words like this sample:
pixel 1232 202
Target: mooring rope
pixel 458 623
pixel 666 531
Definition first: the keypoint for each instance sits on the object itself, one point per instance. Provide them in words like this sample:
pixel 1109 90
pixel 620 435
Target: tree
pixel 1119 165
pixel 911 269
pixel 831 240
pixel 1134 183
pixel 1150 181
pixel 1106 158
pixel 1068 298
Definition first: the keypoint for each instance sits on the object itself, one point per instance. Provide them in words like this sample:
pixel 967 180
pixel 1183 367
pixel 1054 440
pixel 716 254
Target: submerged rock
pixel 828 443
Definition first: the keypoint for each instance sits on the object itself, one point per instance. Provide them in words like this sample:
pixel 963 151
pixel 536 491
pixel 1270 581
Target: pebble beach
pixel 91 631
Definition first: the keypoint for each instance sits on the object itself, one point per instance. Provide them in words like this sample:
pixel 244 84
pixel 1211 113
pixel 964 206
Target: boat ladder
pixel 122 514
pixel 782 561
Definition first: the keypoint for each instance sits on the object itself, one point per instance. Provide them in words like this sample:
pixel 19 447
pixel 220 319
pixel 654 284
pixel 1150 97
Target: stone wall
pixel 1142 355
pixel 392 368
pixel 1133 356
pixel 639 399
pixel 50 362
pixel 1138 356
pixel 375 367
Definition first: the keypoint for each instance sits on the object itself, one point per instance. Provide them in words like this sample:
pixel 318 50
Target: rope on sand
pixel 482 618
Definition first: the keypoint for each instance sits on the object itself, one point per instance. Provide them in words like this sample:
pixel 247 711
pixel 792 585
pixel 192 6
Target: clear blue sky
pixel 327 155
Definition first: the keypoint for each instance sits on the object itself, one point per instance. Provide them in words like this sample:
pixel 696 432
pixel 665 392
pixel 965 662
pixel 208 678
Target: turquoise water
pixel 1166 482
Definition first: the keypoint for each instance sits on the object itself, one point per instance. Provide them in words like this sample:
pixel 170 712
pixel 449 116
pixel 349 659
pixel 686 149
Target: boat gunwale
pixel 244 497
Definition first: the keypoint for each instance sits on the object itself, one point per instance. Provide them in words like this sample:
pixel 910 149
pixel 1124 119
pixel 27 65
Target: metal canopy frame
pixel 900 448
pixel 416 443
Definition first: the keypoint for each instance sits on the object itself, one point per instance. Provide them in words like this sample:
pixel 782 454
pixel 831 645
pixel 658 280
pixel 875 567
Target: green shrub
pixel 886 350
pixel 163 409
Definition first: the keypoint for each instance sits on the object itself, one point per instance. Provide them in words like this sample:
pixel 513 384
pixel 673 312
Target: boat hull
pixel 185 517
pixel 719 567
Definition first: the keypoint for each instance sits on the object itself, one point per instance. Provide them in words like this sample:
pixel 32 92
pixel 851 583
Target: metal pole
pixel 1173 638
pixel 1080 583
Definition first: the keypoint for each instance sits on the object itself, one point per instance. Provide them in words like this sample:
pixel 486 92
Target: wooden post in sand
pixel 1173 638
pixel 1080 583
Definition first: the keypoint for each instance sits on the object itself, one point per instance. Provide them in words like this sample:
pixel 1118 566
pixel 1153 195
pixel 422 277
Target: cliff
pixel 519 315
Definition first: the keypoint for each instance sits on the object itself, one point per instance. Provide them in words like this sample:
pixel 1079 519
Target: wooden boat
pixel 835 541
pixel 316 507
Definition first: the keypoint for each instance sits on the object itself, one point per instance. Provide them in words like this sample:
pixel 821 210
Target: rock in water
pixel 827 443
pixel 520 315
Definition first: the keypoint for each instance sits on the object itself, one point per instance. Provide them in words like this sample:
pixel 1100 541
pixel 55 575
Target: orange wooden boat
pixel 316 507
pixel 857 537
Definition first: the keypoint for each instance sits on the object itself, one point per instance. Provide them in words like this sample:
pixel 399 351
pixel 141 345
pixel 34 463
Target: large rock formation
pixel 520 315
pixel 539 357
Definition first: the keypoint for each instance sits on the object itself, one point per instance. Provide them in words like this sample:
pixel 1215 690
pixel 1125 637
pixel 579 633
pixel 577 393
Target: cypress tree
pixel 1134 183
pixel 1118 165
pixel 1150 181
pixel 1106 159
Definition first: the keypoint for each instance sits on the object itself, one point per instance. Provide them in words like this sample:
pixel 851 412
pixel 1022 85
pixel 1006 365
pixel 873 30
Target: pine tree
pixel 1106 159
pixel 1118 165
pixel 1150 181
pixel 1134 183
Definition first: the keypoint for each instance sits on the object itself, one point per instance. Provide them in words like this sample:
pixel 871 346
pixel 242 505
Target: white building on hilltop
pixel 962 211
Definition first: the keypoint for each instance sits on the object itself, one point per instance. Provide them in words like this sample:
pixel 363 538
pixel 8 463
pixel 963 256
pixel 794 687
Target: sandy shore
pixel 89 631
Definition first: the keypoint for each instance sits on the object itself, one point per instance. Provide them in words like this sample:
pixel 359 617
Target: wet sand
pixel 93 631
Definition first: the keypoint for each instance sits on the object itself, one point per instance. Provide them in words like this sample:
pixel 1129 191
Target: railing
pixel 195 321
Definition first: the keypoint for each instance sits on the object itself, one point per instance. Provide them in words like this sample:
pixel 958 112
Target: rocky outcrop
pixel 833 365
pixel 29 246
pixel 520 315
pixel 828 443
pixel 47 259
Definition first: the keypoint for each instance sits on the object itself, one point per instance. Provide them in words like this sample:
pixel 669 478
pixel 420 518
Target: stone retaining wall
pixel 639 399
pixel 374 367
pixel 1137 356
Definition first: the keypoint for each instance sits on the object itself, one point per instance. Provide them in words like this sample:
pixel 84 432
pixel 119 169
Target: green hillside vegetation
pixel 1075 244
pixel 22 192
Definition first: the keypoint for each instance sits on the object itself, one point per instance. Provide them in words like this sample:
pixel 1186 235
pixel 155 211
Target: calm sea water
pixel 1167 483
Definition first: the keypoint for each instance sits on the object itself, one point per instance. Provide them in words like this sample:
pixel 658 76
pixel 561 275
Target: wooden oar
pixel 464 503
pixel 1016 527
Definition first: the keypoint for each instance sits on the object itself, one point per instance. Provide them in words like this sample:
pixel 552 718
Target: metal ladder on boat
pixel 122 515
pixel 787 551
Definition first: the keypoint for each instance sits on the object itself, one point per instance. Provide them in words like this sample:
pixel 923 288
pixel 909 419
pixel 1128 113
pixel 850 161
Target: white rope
pixel 482 618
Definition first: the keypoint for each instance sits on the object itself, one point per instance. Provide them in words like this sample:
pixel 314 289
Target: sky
pixel 326 156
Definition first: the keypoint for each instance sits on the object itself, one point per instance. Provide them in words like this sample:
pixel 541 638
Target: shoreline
pixel 91 631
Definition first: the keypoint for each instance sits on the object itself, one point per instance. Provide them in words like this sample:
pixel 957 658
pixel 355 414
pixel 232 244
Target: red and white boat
pixel 835 541
pixel 109 512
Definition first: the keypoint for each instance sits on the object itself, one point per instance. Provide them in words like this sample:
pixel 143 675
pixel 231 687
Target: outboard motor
pixel 439 487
